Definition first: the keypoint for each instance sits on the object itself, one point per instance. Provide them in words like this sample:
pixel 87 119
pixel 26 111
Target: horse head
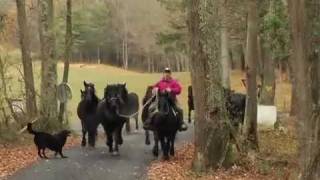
pixel 165 102
pixel 89 92
pixel 112 95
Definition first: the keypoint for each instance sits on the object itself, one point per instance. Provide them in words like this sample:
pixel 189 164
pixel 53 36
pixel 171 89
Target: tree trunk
pixel 67 55
pixel 31 103
pixel 48 97
pixel 252 56
pixel 294 105
pixel 268 84
pixel 303 16
pixel 225 56
pixel 211 131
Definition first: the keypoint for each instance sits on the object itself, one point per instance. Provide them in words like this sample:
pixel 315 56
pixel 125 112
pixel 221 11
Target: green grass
pixel 101 75
pixel 137 82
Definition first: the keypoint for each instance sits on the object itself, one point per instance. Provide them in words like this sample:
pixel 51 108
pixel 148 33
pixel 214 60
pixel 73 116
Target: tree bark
pixel 268 84
pixel 294 105
pixel 211 130
pixel 67 55
pixel 48 96
pixel 31 103
pixel 225 56
pixel 303 17
pixel 251 74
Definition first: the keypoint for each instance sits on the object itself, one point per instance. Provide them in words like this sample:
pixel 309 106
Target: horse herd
pixel 116 108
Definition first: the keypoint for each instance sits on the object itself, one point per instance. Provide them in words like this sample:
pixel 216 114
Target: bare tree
pixel 304 17
pixel 48 96
pixel 67 53
pixel 31 105
pixel 251 73
pixel 225 56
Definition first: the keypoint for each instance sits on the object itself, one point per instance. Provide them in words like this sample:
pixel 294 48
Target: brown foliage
pixel 15 157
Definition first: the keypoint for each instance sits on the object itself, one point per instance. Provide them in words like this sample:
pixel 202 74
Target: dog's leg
pixel 39 153
pixel 62 156
pixel 44 153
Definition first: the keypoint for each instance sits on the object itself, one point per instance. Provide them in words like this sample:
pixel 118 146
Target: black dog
pixel 53 142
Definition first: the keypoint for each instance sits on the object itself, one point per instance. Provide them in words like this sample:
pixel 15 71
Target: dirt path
pixel 96 164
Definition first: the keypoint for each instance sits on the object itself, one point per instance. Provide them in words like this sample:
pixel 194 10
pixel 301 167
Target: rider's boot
pixel 182 125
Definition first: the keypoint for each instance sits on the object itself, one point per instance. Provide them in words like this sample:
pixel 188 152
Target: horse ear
pixel 124 84
pixel 81 91
pixel 85 83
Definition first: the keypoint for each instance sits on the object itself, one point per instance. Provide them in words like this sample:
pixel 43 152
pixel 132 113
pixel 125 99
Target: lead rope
pixel 132 115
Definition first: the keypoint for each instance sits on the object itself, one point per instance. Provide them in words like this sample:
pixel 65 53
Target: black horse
pixel 190 103
pixel 165 124
pixel 235 105
pixel 87 113
pixel 145 111
pixel 112 114
pixel 131 110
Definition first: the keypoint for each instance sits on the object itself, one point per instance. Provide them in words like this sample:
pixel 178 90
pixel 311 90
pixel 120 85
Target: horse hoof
pixel 147 142
pixel 83 143
pixel 172 153
pixel 155 153
pixel 115 153
pixel 166 158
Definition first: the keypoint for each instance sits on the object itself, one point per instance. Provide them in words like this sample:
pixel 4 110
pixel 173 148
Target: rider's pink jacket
pixel 173 84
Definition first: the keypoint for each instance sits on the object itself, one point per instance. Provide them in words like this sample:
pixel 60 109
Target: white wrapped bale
pixel 267 115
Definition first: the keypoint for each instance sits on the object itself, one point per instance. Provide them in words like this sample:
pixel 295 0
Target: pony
pixel 147 99
pixel 165 125
pixel 86 111
pixel 108 112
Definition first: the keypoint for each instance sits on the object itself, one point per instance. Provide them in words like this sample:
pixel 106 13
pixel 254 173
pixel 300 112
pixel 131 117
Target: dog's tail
pixel 29 128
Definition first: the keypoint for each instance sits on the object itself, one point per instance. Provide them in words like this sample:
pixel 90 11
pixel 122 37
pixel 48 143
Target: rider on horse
pixel 168 84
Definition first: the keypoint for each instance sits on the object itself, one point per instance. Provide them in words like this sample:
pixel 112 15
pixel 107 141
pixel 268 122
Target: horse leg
pixel 84 132
pixel 147 142
pixel 109 140
pixel 128 127
pixel 164 148
pixel 189 115
pixel 136 117
pixel 119 135
pixel 172 139
pixel 116 138
pixel 155 149
pixel 92 137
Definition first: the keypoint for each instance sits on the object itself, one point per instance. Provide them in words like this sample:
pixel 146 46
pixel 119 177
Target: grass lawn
pixel 137 82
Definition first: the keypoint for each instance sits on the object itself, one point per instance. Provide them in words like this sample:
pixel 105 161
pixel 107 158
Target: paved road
pixel 96 164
